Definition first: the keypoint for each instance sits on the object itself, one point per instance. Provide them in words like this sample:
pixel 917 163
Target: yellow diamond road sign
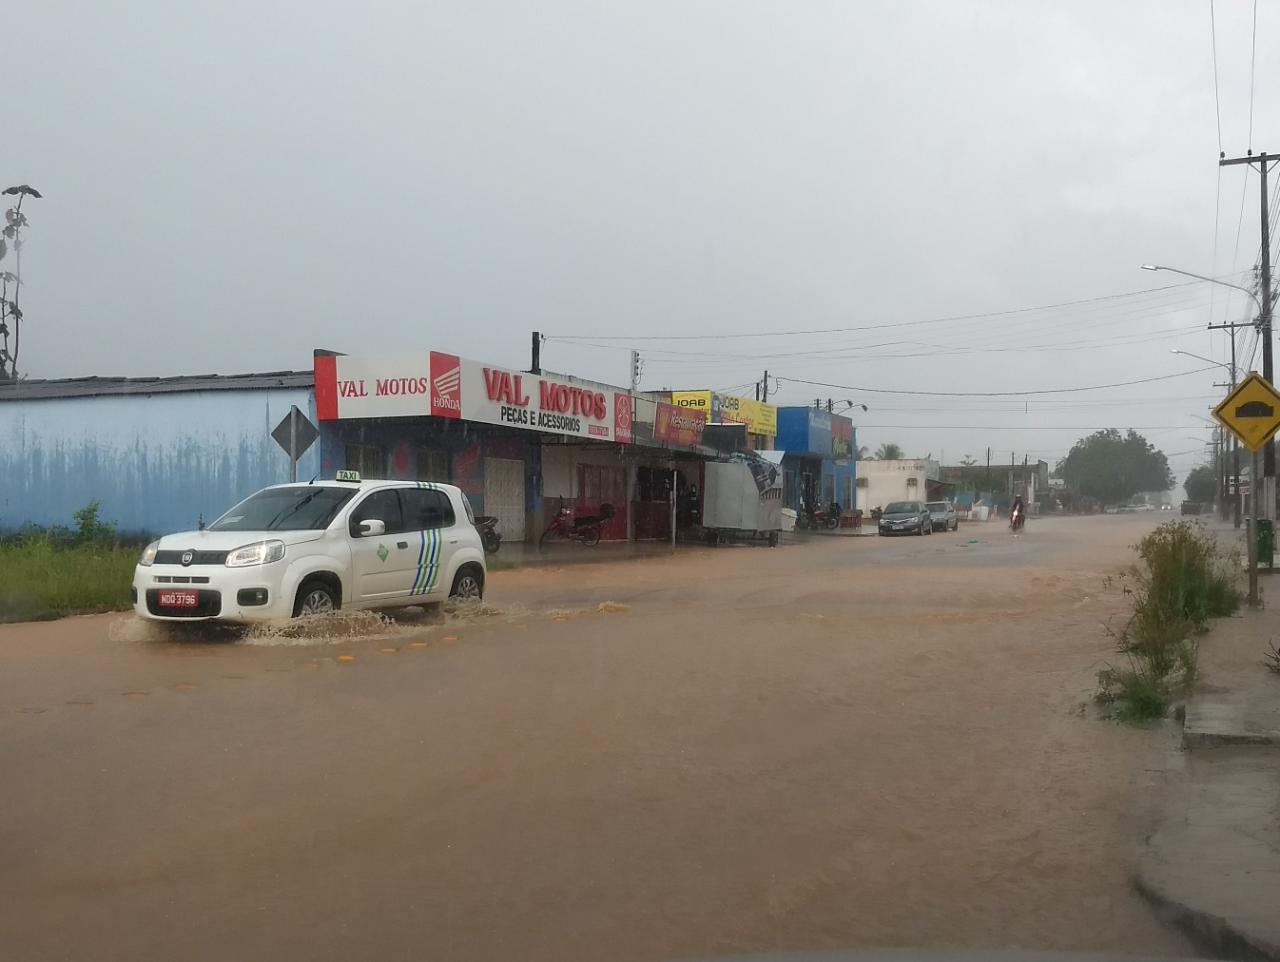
pixel 1251 411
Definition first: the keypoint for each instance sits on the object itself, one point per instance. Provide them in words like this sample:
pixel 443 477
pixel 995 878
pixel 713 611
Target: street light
pixel 1201 357
pixel 1263 325
pixel 1208 280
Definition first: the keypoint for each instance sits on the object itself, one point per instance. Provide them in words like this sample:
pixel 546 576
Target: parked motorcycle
pixel 486 525
pixel 584 529
pixel 815 518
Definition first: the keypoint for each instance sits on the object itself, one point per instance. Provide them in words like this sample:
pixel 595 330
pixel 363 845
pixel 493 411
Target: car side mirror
pixel 372 528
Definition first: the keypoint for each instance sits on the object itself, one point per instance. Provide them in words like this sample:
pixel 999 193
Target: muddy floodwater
pixel 853 742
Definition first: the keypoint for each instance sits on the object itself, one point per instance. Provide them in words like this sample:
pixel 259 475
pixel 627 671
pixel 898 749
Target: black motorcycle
pixel 489 537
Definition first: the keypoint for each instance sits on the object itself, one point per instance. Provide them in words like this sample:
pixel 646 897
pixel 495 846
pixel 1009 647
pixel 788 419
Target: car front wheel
pixel 315 598
pixel 468 585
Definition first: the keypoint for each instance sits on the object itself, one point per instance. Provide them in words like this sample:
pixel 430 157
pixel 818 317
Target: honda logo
pixel 446 385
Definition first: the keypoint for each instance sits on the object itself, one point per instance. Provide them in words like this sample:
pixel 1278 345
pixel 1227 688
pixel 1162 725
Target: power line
pixel 869 327
pixel 1024 427
pixel 1061 390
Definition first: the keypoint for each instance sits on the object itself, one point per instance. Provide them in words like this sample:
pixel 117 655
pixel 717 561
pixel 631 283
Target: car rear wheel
pixel 315 598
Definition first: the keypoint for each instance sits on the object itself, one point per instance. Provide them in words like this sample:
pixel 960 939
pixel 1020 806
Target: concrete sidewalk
pixel 1214 862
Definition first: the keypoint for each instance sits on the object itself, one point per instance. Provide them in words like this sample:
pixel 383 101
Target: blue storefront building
pixel 819 456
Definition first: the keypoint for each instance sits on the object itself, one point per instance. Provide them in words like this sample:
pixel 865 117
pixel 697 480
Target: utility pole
pixel 1234 487
pixel 1269 455
pixel 764 392
pixel 635 372
pixel 535 359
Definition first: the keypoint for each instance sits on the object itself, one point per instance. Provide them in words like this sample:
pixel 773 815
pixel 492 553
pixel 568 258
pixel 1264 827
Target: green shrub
pixel 1132 695
pixel 1184 580
pixel 1186 573
pixel 90 528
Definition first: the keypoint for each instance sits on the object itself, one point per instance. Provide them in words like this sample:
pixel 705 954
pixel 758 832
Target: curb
pixel 1212 932
pixel 1201 739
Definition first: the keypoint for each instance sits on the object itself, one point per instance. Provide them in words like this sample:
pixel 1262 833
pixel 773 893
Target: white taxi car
pixel 304 549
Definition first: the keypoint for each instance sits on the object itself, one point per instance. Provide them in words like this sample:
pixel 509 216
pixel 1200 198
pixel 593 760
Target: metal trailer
pixel 742 498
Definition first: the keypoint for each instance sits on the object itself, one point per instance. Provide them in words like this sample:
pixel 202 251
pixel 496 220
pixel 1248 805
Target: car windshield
pixel 938 506
pixel 903 507
pixel 285 509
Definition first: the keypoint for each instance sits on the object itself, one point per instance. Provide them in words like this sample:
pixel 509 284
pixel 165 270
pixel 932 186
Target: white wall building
pixel 908 479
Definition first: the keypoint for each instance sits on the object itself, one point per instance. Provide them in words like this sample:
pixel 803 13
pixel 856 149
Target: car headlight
pixel 149 554
pixel 258 553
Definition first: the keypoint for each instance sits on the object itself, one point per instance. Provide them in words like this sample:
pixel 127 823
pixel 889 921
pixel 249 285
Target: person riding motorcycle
pixel 1017 514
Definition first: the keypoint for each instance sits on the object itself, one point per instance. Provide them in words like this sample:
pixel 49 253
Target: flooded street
pixel 849 743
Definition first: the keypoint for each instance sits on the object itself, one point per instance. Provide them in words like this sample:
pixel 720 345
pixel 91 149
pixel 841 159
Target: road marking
pixel 346 658
pixel 389 651
pixel 420 644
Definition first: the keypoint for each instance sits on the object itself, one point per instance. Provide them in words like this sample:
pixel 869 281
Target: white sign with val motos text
pixel 444 385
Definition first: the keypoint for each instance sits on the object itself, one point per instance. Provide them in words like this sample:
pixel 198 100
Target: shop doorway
pixel 504 496
pixel 604 484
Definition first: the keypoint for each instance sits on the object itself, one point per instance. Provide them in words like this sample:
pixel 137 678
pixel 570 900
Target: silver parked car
pixel 944 516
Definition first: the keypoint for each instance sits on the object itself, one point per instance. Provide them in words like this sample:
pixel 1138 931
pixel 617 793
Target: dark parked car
pixel 1190 507
pixel 906 517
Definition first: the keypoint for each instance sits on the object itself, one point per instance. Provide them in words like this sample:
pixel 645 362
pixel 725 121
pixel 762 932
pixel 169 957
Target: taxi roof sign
pixel 347 476
pixel 1251 411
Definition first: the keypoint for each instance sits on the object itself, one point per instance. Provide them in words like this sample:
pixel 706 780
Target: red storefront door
pixel 604 484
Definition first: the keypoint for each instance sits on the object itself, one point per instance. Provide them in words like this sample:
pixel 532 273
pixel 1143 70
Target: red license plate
pixel 179 599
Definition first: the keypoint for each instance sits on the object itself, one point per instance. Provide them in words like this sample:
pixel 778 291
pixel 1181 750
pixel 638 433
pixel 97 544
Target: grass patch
pixel 1183 580
pixel 48 573
pixel 43 580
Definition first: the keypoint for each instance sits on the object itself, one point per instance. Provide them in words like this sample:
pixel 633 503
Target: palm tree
pixel 864 452
pixel 889 452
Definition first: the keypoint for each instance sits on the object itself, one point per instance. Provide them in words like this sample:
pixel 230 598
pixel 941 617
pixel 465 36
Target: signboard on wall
pixel 760 418
pixel 676 425
pixel 444 385
pixel 693 401
pixel 841 437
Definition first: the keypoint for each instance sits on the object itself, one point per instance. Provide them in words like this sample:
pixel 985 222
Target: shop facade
pixel 520 445
pixel 818 457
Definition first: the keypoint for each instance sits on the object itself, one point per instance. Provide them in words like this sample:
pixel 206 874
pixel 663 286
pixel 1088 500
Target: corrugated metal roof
pixel 93 386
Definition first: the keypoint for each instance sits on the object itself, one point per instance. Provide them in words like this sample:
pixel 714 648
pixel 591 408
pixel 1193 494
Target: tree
pixel 888 452
pixel 10 313
pixel 1111 466
pixel 864 452
pixel 1201 483
pixel 968 461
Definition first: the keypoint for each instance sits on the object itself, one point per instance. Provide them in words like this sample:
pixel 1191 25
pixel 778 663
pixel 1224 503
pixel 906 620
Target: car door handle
pixel 453 541
pixel 402 544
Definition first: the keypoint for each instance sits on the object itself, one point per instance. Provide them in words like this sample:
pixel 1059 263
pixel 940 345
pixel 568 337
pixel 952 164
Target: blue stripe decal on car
pixel 433 565
pixel 417 578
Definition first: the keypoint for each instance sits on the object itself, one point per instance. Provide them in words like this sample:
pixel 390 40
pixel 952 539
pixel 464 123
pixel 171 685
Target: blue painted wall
pixel 156 462
pixel 805 433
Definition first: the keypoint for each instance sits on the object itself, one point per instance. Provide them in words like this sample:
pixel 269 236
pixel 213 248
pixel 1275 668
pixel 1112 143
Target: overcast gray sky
pixel 229 185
